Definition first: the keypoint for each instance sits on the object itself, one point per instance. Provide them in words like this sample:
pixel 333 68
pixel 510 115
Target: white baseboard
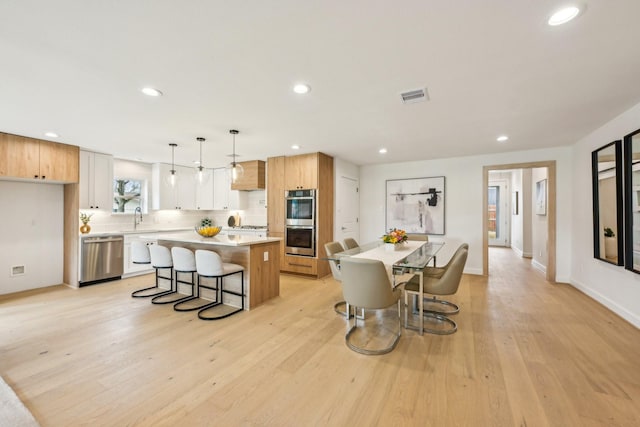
pixel 475 271
pixel 527 254
pixel 517 251
pixel 616 308
pixel 535 264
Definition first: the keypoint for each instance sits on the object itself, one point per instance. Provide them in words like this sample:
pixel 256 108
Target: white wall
pixel 613 286
pixel 539 223
pixel 464 200
pixel 31 230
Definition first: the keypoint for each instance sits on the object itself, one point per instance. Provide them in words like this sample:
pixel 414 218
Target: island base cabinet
pixel 261 262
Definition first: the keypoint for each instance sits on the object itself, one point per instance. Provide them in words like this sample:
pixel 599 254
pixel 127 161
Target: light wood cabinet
pixel 96 181
pixel 301 171
pixel 275 194
pixel 306 171
pixel 253 177
pixel 29 158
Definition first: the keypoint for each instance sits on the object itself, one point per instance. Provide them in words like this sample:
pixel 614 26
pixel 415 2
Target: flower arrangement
pixel 85 218
pixel 395 236
pixel 608 232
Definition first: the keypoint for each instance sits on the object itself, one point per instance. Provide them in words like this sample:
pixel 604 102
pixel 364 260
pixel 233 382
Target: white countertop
pixel 219 240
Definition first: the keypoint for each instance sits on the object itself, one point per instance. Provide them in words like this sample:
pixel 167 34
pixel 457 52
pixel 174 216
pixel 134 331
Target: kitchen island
pixel 260 257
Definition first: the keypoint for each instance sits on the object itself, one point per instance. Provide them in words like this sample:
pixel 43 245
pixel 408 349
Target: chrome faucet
pixel 135 217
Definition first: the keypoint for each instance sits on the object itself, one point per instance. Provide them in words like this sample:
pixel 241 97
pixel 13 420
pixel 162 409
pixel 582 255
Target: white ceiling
pixel 490 66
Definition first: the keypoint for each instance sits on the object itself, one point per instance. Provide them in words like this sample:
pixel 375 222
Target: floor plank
pixel 526 353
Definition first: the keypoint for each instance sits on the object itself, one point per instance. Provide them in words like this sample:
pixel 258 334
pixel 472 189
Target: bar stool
pixel 205 266
pixel 183 262
pixel 160 259
pixel 209 264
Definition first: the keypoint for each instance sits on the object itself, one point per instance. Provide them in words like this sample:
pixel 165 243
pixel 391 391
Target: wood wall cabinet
pixel 96 181
pixel 275 194
pixel 308 171
pixel 301 171
pixel 30 158
pixel 252 178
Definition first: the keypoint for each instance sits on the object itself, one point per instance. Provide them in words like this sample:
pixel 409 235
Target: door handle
pixel 343 228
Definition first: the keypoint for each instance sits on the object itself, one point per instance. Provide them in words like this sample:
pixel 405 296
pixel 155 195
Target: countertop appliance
pixel 102 259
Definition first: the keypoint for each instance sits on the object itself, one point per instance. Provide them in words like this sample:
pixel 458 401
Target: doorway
pixel 347 208
pixel 550 211
pixel 499 218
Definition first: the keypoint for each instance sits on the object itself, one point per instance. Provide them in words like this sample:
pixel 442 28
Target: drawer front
pixel 299 264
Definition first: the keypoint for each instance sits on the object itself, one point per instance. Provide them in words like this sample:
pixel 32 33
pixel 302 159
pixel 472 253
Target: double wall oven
pixel 300 233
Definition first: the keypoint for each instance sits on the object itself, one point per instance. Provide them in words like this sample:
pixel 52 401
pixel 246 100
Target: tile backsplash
pixel 104 221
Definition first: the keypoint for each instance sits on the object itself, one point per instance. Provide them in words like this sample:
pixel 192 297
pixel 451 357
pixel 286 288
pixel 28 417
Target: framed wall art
pixel 416 205
pixel 541 197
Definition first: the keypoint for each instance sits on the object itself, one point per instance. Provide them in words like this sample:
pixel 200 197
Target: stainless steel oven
pixel 300 207
pixel 300 240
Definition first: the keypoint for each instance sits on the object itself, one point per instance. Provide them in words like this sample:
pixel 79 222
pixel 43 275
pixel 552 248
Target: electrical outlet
pixel 266 256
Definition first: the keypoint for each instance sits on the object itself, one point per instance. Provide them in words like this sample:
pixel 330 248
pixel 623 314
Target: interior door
pixel 499 214
pixel 347 209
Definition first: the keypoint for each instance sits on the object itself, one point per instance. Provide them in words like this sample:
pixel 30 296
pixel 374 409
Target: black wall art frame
pixel 606 176
pixel 416 205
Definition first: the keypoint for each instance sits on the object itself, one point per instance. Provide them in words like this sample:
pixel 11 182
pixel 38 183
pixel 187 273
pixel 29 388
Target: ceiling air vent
pixel 413 96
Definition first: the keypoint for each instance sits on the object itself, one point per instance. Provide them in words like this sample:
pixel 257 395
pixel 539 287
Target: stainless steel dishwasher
pixel 102 259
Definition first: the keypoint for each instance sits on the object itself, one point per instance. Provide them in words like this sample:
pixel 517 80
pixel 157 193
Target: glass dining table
pixel 410 258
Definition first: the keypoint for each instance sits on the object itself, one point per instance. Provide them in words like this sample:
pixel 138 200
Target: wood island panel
pixel 261 278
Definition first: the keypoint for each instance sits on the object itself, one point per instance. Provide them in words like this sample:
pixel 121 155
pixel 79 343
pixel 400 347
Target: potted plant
pixel 84 218
pixel 610 244
pixel 394 238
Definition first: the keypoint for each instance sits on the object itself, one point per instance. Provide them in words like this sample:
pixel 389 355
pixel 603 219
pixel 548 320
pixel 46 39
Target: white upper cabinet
pixel 204 191
pixel 96 181
pixel 182 195
pixel 224 198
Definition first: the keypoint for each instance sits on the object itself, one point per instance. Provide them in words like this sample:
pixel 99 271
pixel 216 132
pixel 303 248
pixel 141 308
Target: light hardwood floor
pixel 526 353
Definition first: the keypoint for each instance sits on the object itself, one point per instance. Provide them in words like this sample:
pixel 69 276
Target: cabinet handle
pixel 43 177
pixel 299 265
pixel 35 176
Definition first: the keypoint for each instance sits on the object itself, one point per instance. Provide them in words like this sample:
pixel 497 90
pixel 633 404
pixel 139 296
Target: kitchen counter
pixel 260 257
pixel 140 231
pixel 218 240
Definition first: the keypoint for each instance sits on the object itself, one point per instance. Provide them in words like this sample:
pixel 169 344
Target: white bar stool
pixel 209 264
pixel 183 261
pixel 141 254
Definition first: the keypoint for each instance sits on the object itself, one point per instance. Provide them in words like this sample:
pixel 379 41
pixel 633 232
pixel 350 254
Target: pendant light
pixel 201 177
pixel 236 170
pixel 172 177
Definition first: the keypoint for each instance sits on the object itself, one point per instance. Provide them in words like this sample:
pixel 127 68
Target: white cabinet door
pixel 180 196
pixel 224 198
pixel 204 191
pixel 103 181
pixel 186 188
pixel 221 188
pixel 96 181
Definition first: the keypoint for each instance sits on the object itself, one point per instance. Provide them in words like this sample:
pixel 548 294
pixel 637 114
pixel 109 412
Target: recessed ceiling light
pixel 382 151
pixel 502 138
pixel 295 147
pixel 51 134
pixel 563 15
pixel 151 91
pixel 196 162
pixel 301 88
